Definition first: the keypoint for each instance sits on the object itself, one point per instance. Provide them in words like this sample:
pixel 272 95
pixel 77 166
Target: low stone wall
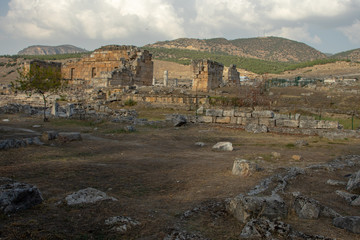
pixel 266 117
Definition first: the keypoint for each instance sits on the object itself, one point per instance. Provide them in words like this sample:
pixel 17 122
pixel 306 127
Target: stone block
pixel 223 119
pixel 245 208
pixel 247 121
pixel 263 114
pixel 238 113
pixel 214 112
pixel 233 120
pixel 327 124
pixel 287 123
pixel 228 113
pixel 239 120
pixel 205 119
pixel 269 122
pixel 223 146
pixel 308 123
pixel 244 168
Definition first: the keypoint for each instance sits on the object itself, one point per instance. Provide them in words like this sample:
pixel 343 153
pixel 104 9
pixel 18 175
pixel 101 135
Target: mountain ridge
pixel 51 50
pixel 263 48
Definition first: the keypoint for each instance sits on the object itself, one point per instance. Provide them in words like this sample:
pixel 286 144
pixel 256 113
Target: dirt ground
pixel 157 173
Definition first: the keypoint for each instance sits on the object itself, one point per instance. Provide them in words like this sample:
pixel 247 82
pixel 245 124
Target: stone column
pixel 55 109
pixel 69 109
pixel 175 82
pixel 166 78
pixel 153 81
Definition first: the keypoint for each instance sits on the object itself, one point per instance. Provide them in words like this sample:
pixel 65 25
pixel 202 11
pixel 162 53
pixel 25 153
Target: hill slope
pixel 50 50
pixel 267 48
pixel 353 55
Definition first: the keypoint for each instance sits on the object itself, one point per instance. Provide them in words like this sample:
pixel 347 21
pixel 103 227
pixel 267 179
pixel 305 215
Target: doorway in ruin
pixel 93 72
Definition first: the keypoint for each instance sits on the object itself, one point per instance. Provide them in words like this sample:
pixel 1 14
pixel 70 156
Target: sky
pixel 330 26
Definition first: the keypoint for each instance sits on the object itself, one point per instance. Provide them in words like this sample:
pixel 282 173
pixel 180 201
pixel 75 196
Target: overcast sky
pixel 330 26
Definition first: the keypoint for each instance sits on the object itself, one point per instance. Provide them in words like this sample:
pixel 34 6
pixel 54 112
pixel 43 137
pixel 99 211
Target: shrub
pixel 130 102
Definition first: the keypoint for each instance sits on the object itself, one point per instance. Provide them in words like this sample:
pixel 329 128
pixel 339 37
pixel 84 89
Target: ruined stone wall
pixel 107 65
pixel 207 75
pixel 231 75
pixel 42 64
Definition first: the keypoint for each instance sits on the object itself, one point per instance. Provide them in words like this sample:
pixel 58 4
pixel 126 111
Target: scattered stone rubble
pixel 86 196
pixel 16 196
pixel 121 224
pixel 223 146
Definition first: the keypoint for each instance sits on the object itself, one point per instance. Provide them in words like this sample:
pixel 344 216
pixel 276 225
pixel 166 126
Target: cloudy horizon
pixel 330 26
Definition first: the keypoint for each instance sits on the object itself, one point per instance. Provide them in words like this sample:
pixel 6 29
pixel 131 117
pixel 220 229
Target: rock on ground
pixel 245 208
pixel 87 195
pixel 256 128
pixel 17 196
pixel 244 168
pixel 223 146
pixel 353 184
pixel 121 224
pixel 352 199
pixel 69 136
pixel 265 229
pixel 349 223
pixel 308 208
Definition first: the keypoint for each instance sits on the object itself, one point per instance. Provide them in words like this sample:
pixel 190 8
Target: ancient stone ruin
pixel 231 75
pixel 208 75
pixel 112 65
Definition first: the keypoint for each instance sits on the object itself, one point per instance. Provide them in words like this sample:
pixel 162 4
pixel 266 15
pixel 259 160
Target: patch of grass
pixel 74 122
pixel 290 145
pixel 130 102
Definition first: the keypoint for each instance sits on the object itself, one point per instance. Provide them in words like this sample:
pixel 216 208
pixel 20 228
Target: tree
pixel 40 78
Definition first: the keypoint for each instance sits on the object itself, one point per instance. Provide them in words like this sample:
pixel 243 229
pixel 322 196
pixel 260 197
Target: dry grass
pixel 157 174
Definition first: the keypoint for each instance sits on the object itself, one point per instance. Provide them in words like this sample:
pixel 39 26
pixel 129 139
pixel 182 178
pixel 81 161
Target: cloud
pixel 95 19
pixel 352 32
pixel 296 33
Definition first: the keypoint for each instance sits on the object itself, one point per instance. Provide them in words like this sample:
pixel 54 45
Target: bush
pixel 130 102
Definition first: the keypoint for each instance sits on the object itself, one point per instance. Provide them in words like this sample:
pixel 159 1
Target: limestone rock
pixel 349 223
pixel 87 195
pixel 177 234
pixel 256 128
pixel 353 184
pixel 244 168
pixel 129 128
pixel 177 119
pixel 352 199
pixel 49 135
pixel 17 196
pixel 335 182
pixel 69 136
pixel 200 144
pixel 276 154
pixel 223 146
pixel 297 157
pixel 301 143
pixel 308 208
pixel 263 228
pixel 244 208
pixel 121 224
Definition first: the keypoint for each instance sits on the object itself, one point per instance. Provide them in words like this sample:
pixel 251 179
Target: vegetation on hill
pixel 353 55
pixel 48 57
pixel 266 48
pixel 258 66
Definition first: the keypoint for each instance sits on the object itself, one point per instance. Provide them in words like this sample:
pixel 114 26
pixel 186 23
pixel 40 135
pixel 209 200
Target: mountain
pixel 353 55
pixel 50 50
pixel 264 48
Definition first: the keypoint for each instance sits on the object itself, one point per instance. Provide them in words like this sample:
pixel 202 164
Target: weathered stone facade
pixel 231 75
pixel 55 66
pixel 207 75
pixel 112 65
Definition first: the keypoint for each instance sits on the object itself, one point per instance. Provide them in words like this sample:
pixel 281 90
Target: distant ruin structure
pixel 55 66
pixel 232 76
pixel 208 75
pixel 112 65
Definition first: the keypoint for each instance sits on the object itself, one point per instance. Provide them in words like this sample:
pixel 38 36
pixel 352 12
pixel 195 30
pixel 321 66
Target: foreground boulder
pixel 245 208
pixel 87 195
pixel 244 168
pixel 17 196
pixel 308 208
pixel 121 224
pixel 69 136
pixel 223 146
pixel 353 184
pixel 350 223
